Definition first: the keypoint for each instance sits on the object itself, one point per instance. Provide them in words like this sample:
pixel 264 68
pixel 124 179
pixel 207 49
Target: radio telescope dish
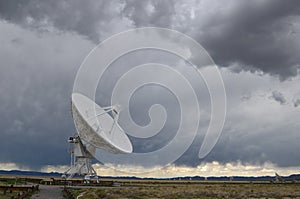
pixel 97 127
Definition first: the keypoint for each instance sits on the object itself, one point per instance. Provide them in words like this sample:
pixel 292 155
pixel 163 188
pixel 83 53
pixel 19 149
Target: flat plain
pixel 167 189
pixel 191 189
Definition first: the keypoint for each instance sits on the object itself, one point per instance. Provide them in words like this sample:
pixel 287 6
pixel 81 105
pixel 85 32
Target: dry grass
pixel 193 190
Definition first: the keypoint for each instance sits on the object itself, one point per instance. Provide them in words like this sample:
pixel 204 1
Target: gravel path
pixel 48 192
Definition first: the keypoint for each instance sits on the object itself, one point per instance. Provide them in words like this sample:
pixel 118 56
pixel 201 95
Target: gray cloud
pixel 258 35
pixel 258 149
pixel 36 82
pixel 40 57
pixel 246 97
pixel 150 13
pixel 279 97
pixel 296 101
pixel 92 19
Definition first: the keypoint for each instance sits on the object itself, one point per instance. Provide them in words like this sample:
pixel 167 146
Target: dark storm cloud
pixel 36 82
pixel 89 18
pixel 35 118
pixel 35 86
pixel 232 33
pixel 273 146
pixel 258 35
pixel 254 146
pixel 261 35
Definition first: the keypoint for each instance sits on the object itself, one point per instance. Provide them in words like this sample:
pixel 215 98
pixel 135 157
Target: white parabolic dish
pixel 97 127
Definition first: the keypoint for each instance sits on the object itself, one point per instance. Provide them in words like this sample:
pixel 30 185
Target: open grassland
pixel 168 189
pixel 205 190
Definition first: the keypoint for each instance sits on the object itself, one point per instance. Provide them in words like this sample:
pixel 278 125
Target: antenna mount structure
pixel 97 128
pixel 80 161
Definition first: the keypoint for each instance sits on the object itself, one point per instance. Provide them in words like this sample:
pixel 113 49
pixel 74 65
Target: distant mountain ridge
pixel 29 173
pixel 221 178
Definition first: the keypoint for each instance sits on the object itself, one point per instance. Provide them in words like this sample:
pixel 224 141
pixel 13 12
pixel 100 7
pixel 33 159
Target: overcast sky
pixel 255 43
